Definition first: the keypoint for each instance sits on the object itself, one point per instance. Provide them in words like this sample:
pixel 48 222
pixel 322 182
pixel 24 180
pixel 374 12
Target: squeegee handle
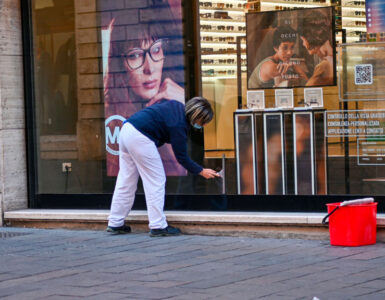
pixel 358 201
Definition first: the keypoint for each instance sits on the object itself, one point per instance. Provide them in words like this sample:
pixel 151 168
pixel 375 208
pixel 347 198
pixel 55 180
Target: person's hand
pixel 283 67
pixel 168 90
pixel 209 173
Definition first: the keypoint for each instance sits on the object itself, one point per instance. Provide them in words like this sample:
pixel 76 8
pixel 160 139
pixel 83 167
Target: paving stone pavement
pixel 68 264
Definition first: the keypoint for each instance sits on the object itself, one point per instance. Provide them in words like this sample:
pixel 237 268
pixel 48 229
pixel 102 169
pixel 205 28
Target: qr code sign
pixel 363 74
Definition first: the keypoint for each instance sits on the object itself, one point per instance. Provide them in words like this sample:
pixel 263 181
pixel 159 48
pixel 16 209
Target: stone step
pixel 256 224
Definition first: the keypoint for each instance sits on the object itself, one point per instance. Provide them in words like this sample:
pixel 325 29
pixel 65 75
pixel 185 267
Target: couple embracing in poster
pixel 291 48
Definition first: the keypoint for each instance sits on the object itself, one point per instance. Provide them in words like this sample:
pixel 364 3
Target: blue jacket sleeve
pixel 178 141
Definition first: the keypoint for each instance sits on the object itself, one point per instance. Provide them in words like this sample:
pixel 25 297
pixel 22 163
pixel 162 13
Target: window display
pixel 269 125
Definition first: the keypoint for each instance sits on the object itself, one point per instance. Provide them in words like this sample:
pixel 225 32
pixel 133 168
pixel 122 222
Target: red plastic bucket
pixel 352 225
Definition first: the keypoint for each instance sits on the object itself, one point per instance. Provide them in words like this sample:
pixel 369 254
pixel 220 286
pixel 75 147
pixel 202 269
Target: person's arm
pixel 178 140
pixel 269 70
pixel 318 74
pixel 298 69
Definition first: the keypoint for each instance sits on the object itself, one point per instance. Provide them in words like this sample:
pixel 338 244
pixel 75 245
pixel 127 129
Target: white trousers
pixel 138 156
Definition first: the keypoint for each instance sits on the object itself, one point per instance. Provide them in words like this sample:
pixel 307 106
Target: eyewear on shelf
pixel 226 50
pixel 226 61
pixel 286 8
pixel 357 23
pixel 207 61
pixel 228 72
pixel 359 13
pixel 205 26
pixel 208 72
pixel 207 38
pixel 207 49
pixel 354 33
pixel 206 4
pixel 225 39
pixel 358 3
pixel 223 5
pixel 221 27
pixel 135 57
pixel 206 15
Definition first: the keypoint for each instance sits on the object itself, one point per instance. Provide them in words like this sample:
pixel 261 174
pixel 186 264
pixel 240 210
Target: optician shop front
pixel 299 117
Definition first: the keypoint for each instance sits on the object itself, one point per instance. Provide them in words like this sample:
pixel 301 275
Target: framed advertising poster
pixel 256 99
pixel 291 48
pixel 284 98
pixel 154 28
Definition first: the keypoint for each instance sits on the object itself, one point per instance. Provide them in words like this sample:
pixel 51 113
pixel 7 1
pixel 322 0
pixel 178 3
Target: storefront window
pixel 95 69
pixel 277 101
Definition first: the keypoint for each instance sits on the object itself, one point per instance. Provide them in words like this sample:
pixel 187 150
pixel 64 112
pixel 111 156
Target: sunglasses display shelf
pixel 353 19
pixel 292 4
pixel 221 22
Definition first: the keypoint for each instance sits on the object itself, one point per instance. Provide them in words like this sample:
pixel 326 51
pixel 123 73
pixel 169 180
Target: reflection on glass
pixel 361 71
pixel 320 155
pixel 259 156
pixel 245 157
pixel 274 154
pixel 55 68
pixel 303 154
pixel 289 153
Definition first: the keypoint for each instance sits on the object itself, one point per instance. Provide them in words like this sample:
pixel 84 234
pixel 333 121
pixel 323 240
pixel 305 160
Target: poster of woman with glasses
pixel 143 63
pixel 292 48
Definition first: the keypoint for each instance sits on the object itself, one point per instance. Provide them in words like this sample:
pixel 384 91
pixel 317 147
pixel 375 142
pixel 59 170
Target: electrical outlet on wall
pixel 66 167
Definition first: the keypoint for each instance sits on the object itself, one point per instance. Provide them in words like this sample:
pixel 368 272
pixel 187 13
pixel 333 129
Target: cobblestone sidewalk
pixel 63 264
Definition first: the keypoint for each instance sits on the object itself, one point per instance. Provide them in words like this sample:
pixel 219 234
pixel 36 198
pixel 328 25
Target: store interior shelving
pixel 353 19
pixel 350 15
pixel 221 22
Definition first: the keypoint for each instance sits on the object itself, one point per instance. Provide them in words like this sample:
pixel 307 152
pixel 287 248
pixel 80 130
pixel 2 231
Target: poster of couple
pixel 292 48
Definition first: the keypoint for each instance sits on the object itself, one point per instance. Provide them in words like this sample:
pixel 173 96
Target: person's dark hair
pixel 198 109
pixel 316 29
pixel 284 34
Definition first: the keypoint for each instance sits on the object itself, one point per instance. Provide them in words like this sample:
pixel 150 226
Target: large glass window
pixel 88 59
pixel 97 63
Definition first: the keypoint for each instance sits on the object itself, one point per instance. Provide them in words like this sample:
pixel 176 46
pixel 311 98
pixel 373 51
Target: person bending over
pixel 164 122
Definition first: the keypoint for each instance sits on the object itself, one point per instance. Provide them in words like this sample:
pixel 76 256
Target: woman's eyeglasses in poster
pixel 135 57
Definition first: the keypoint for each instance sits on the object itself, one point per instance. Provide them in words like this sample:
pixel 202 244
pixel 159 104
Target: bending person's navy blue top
pixel 165 122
